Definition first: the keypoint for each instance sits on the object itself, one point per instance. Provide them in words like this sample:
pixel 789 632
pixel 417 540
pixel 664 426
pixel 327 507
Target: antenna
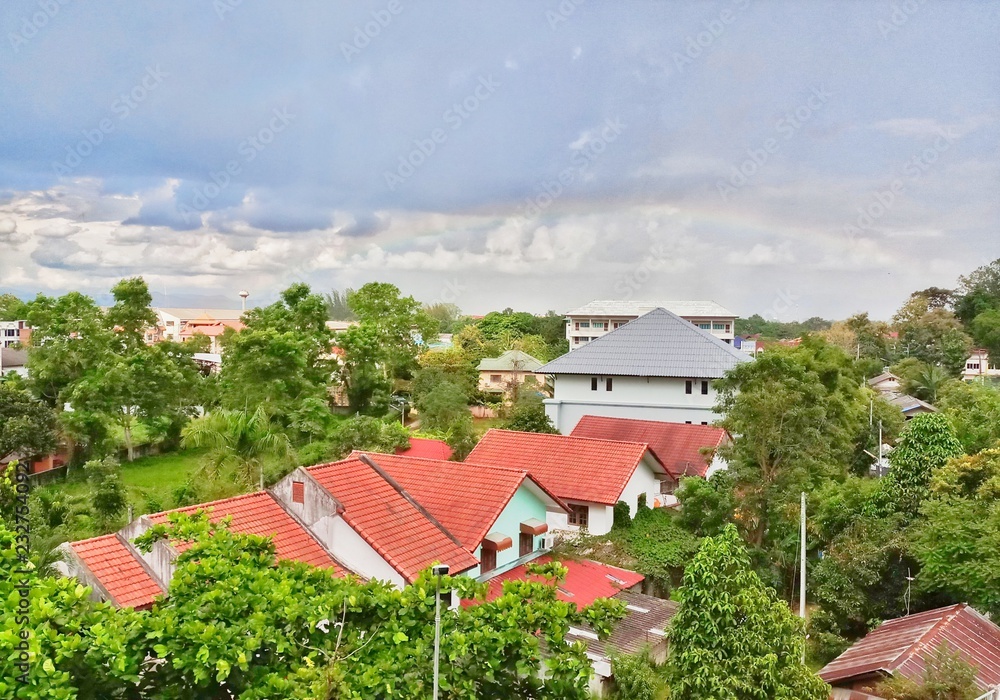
pixel 906 596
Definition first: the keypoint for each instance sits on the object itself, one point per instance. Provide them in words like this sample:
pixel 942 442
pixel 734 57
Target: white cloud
pixel 762 254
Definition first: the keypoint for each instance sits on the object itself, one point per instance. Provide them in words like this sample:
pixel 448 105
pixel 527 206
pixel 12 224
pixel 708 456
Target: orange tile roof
pixel 259 514
pixel 121 574
pixel 586 580
pixel 574 468
pixel 389 519
pixel 676 445
pixel 466 498
pixel 901 645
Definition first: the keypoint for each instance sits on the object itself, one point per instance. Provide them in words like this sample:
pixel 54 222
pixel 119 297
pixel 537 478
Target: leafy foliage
pixel 368 434
pixel 732 638
pixel 931 333
pixel 926 444
pixel 660 546
pixel 528 415
pixel 974 411
pixel 27 426
pixel 946 676
pixel 635 678
pixel 239 441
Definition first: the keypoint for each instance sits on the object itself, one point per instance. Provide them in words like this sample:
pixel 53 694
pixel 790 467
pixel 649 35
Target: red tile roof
pixel 118 570
pixel 389 519
pixel 466 498
pixel 576 468
pixel 586 580
pixel 259 514
pixel 676 445
pixel 901 645
pixel 210 328
pixel 427 448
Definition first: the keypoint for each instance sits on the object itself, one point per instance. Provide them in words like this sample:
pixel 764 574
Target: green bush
pixel 622 516
pixel 635 678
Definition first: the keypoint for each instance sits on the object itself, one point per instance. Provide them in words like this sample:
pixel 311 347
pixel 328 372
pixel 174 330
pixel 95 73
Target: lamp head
pixel 440 570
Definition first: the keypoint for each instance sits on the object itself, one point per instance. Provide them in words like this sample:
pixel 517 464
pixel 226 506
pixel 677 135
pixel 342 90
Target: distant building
pixel 594 320
pixel 13 361
pixel 658 367
pixel 889 386
pixel 14 333
pixel 750 345
pixel 978 366
pixel 171 322
pixel 499 375
pixel 213 330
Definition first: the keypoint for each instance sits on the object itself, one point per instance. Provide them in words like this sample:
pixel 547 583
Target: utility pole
pixel 802 576
pixel 439 570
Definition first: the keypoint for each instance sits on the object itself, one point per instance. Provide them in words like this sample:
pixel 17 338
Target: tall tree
pixel 978 291
pixel 131 314
pixel 399 325
pixel 732 638
pixel 337 308
pixel 12 308
pixel 27 426
pixel 932 333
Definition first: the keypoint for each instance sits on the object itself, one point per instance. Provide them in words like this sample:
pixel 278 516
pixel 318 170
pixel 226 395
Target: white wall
pixel 644 480
pixel 352 549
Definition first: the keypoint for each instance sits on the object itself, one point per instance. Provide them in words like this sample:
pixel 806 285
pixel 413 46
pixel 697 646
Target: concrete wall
pixel 644 480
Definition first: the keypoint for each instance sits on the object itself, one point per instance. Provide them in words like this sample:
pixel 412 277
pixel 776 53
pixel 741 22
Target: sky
pixel 784 158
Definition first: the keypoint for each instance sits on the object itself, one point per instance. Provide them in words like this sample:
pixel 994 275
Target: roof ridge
pixel 366 460
pixel 917 645
pixel 571 437
pixel 445 461
pixel 134 553
pixel 210 503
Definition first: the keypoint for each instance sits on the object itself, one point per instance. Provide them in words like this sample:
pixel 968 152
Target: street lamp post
pixel 438 571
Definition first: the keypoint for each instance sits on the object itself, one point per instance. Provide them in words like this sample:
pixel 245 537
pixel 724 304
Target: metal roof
pixel 621 307
pixel 510 361
pixel 905 402
pixel 901 645
pixel 659 344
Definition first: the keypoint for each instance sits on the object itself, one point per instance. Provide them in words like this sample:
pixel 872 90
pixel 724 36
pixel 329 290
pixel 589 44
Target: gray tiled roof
pixel 658 344
pixel 512 360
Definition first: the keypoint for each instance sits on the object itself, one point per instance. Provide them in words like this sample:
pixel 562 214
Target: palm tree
pixel 926 385
pixel 240 440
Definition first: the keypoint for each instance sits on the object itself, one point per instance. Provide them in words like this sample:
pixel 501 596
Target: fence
pixel 991 694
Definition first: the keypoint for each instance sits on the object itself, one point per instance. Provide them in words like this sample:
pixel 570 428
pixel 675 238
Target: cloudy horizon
pixel 783 158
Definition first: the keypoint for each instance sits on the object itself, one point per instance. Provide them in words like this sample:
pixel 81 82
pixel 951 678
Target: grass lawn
pixel 483 424
pixel 153 477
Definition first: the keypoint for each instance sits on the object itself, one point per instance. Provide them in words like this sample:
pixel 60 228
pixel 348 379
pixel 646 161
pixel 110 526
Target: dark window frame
pixel 526 544
pixel 688 386
pixel 488 561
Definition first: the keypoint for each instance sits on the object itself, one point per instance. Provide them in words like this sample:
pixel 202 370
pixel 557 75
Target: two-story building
pixel 658 367
pixel 594 320
pixel 171 322
pixel 504 374
pixel 978 366
pixel 14 333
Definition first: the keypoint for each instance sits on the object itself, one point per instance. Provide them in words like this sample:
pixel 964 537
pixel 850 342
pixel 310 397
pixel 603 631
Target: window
pixel 593 383
pixel 688 386
pixel 10 332
pixel 719 327
pixel 618 324
pixel 488 561
pixel 576 340
pixel 298 492
pixel 607 384
pixel 579 515
pixel 495 379
pixel 704 387
pixel 727 328
pixel 705 326
pixel 527 544
pixel 577 325
pixel 687 422
pixel 599 325
pixel 584 324
pixel 704 422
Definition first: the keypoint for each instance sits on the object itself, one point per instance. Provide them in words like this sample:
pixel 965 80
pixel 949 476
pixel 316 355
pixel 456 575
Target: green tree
pixel 635 678
pixel 368 434
pixel 528 415
pixel 444 314
pixel 928 383
pixel 399 326
pixel 440 407
pixel 985 329
pixel 241 441
pixel 926 444
pixel 732 638
pixel 932 333
pixel 337 308
pixel 475 344
pixel 509 324
pixel 978 292
pixel 946 676
pixel 451 364
pixel 131 314
pixel 27 426
pixel 108 495
pixel 461 437
pixel 12 308
pixel 365 382
pixel 974 411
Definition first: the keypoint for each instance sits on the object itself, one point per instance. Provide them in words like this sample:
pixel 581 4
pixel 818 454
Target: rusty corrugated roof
pixel 901 645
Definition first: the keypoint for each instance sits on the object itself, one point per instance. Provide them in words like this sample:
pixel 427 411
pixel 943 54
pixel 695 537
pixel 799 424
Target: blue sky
pixel 786 158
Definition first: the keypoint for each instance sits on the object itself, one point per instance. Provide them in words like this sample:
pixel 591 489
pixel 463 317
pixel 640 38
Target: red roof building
pixel 113 567
pixel 677 445
pixel 902 645
pixel 426 448
pixel 389 519
pixel 585 582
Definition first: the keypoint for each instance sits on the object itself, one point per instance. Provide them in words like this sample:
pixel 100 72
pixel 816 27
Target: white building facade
pixel 598 318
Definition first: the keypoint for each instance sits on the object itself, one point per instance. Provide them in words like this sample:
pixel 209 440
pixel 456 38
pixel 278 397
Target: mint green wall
pixel 523 505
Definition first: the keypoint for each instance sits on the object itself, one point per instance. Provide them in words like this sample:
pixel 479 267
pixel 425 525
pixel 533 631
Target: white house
pixel 978 367
pixel 589 475
pixel 500 375
pixel 14 332
pixel 172 321
pixel 594 320
pixel 658 367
